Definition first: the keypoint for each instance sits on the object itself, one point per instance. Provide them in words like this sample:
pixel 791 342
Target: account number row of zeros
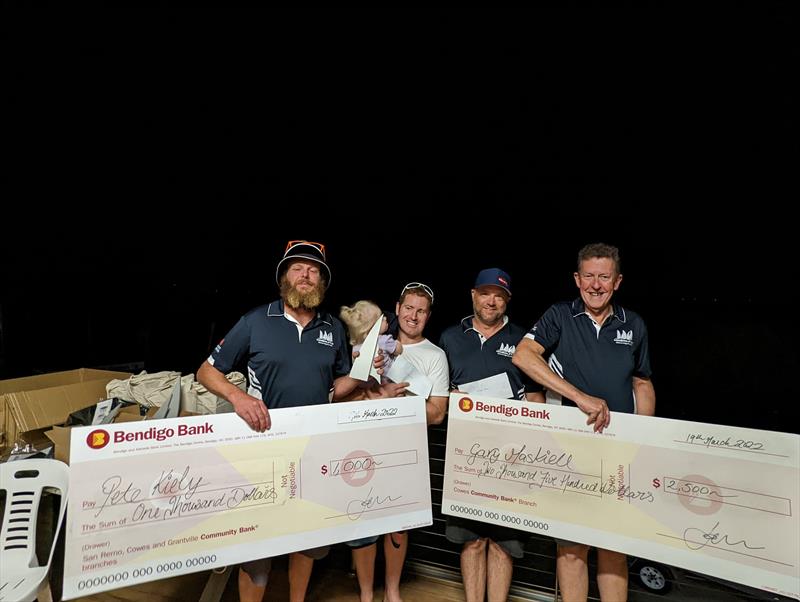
pixel 506 518
pixel 146 571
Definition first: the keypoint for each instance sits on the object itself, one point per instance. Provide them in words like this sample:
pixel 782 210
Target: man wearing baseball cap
pixel 479 347
pixel 287 345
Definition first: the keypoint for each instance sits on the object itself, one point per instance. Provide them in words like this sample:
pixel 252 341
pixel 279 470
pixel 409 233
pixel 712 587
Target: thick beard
pixel 297 300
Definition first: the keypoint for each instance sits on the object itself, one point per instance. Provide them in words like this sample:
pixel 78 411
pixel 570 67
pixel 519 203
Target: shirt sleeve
pixel 547 330
pixel 443 346
pixel 232 349
pixel 641 354
pixel 531 386
pixel 440 376
pixel 528 384
pixel 341 366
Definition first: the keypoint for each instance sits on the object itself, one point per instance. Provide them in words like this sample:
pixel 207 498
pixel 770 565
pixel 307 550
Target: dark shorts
pixel 566 543
pixel 363 542
pixel 462 530
pixel 368 541
pixel 258 569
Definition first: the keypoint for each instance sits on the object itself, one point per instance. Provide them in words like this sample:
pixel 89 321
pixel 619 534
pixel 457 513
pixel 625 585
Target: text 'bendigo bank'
pixel 161 434
pixel 511 410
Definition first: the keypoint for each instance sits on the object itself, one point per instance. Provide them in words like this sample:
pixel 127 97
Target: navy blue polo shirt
pixel 285 367
pixel 471 359
pixel 601 363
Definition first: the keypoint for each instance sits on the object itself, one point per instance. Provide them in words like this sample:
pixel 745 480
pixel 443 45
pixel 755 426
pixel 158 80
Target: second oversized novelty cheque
pixel 155 499
pixel 713 499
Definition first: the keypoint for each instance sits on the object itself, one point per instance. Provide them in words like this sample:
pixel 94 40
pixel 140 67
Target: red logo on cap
pixel 97 439
pixel 501 279
pixel 465 404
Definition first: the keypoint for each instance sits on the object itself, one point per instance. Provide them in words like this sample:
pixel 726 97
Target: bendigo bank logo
pixel 98 439
pixel 466 404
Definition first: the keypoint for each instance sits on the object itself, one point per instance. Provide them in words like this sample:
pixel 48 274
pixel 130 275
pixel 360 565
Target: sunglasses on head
pixel 317 245
pixel 412 285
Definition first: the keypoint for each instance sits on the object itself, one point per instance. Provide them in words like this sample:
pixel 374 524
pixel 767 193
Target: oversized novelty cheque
pixel 713 499
pixel 155 499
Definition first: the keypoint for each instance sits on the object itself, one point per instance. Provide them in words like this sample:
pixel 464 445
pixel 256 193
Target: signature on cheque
pixel 696 539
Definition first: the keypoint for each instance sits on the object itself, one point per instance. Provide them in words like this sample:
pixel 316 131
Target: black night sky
pixel 158 160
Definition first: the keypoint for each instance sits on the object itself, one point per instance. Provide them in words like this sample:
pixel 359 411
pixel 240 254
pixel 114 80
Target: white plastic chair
pixel 20 573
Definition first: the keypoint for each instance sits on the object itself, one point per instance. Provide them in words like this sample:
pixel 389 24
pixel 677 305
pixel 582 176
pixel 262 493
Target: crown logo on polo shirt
pixel 624 337
pixel 325 338
pixel 506 350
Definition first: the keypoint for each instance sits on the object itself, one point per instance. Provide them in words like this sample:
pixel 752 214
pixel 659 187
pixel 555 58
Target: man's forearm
pixel 343 386
pixel 645 396
pixel 536 397
pixel 215 381
pixel 534 365
pixel 435 409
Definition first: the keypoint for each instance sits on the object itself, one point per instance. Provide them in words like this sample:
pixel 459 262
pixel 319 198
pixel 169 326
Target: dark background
pixel 158 160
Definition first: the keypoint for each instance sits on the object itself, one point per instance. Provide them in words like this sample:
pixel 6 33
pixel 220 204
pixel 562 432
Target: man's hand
pixel 597 411
pixel 252 411
pixel 378 361
pixel 391 389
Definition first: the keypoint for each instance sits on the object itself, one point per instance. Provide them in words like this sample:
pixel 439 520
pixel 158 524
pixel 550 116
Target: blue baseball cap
pixel 494 277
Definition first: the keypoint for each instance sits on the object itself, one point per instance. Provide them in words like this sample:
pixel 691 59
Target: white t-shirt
pixel 432 362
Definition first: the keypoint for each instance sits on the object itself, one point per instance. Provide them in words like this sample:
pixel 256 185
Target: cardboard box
pixel 60 436
pixel 34 402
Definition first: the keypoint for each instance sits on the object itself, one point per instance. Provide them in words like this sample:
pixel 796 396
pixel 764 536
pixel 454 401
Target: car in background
pixel 661 579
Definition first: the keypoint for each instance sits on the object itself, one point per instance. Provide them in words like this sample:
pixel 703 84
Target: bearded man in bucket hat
pixel 287 344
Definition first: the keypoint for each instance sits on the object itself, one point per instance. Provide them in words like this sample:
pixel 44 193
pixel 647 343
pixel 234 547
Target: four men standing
pixel 591 352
